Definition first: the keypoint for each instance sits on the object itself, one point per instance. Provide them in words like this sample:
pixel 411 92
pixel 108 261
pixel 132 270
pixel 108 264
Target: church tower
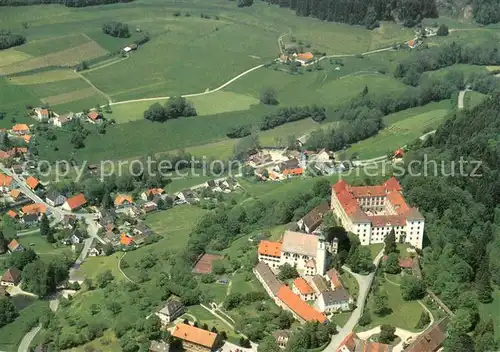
pixel 321 256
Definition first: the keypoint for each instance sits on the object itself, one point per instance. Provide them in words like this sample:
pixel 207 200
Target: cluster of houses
pixel 46 115
pixel 277 166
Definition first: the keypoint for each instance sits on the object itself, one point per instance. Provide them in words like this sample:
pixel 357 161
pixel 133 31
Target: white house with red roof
pixel 372 212
pixel 75 202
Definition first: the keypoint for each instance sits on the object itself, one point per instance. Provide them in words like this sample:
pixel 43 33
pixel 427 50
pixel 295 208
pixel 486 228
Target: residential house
pixel 62 120
pixel 17 169
pixel 30 219
pixel 15 246
pixel 212 185
pixel 33 183
pixel 185 196
pixel 123 201
pixel 288 165
pixel 333 277
pixel 141 229
pixel 96 251
pixel 75 202
pixel 259 159
pixel 352 343
pixel 94 117
pixel 303 289
pixel 431 340
pixel 20 129
pixel 195 339
pixel 159 346
pixel 27 138
pixel 12 214
pixel 172 310
pixel 126 240
pixel 148 207
pixel 35 208
pixel 69 221
pixel 54 198
pixel 151 193
pixel 282 337
pixel 6 183
pixel 75 238
pixel 334 301
pixel 41 114
pixel 12 277
pixel 314 218
pixel 133 211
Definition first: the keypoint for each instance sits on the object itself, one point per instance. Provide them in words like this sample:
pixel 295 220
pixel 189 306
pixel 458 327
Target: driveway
pixel 364 282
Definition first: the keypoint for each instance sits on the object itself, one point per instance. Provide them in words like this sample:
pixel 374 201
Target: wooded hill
pixel 462 259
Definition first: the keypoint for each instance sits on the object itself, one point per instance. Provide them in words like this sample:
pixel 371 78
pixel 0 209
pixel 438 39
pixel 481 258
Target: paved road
pixel 364 282
pixel 461 97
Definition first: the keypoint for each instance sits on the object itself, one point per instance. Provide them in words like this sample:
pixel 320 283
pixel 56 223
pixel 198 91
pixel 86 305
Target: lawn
pixel 492 311
pixel 402 128
pixel 174 225
pixel 375 249
pixel 213 103
pixel 93 266
pixel 472 99
pixel 205 317
pixel 43 248
pixel 341 318
pixel 404 315
pixel 351 284
pixel 12 334
pixel 465 69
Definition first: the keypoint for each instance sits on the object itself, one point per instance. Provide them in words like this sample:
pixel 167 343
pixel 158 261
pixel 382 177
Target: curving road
pixel 364 282
pixel 28 338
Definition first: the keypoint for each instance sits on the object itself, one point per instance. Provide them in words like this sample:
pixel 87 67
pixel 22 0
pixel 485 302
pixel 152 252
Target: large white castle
pixel 305 252
pixel 372 212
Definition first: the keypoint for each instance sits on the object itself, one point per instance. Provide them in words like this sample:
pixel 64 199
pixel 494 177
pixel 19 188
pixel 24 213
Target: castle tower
pixel 321 256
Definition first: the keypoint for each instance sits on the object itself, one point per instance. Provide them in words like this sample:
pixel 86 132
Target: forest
pixel 116 29
pixel 363 12
pixel 8 40
pixel 486 11
pixel 462 256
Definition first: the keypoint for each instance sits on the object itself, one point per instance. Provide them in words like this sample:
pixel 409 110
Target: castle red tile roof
pixel 398 202
pixel 302 285
pixel 270 248
pixel 387 220
pixel 298 306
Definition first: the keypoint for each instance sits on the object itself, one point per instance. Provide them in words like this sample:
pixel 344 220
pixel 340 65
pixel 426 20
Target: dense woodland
pixel 116 29
pixel 8 39
pixel 174 108
pixel 486 11
pixel 434 58
pixel 363 12
pixel 462 257
pixel 68 3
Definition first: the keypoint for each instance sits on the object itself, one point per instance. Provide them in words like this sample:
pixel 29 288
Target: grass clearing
pixel 93 266
pixel 402 128
pixel 205 317
pixel 492 311
pixel 11 56
pixel 64 98
pixel 472 99
pixel 213 103
pixel 44 77
pixel 375 249
pixel 108 343
pixel 404 315
pixel 52 45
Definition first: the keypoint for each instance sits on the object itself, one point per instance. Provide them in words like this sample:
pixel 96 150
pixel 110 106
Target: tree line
pixel 461 259
pixel 486 11
pixel 68 3
pixel 8 39
pixel 174 108
pixel 363 12
pixel 116 29
pixel 280 117
pixel 434 58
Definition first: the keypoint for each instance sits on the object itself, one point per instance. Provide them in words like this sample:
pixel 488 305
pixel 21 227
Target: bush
pixel 239 131
pixel 116 29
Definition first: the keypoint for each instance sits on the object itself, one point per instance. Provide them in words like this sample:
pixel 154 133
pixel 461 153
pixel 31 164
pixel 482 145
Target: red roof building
pixel 300 309
pixel 11 277
pixel 75 202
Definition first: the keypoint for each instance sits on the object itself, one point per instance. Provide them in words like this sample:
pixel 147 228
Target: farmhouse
pixel 151 193
pixel 20 129
pixel 33 183
pixel 75 202
pixel 54 198
pixel 314 218
pixel 306 252
pixel 371 212
pixel 6 183
pixel 11 277
pixel 41 114
pixel 172 310
pixel 304 58
pixel 62 120
pixel 195 339
pixel 94 117
pixel 35 208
